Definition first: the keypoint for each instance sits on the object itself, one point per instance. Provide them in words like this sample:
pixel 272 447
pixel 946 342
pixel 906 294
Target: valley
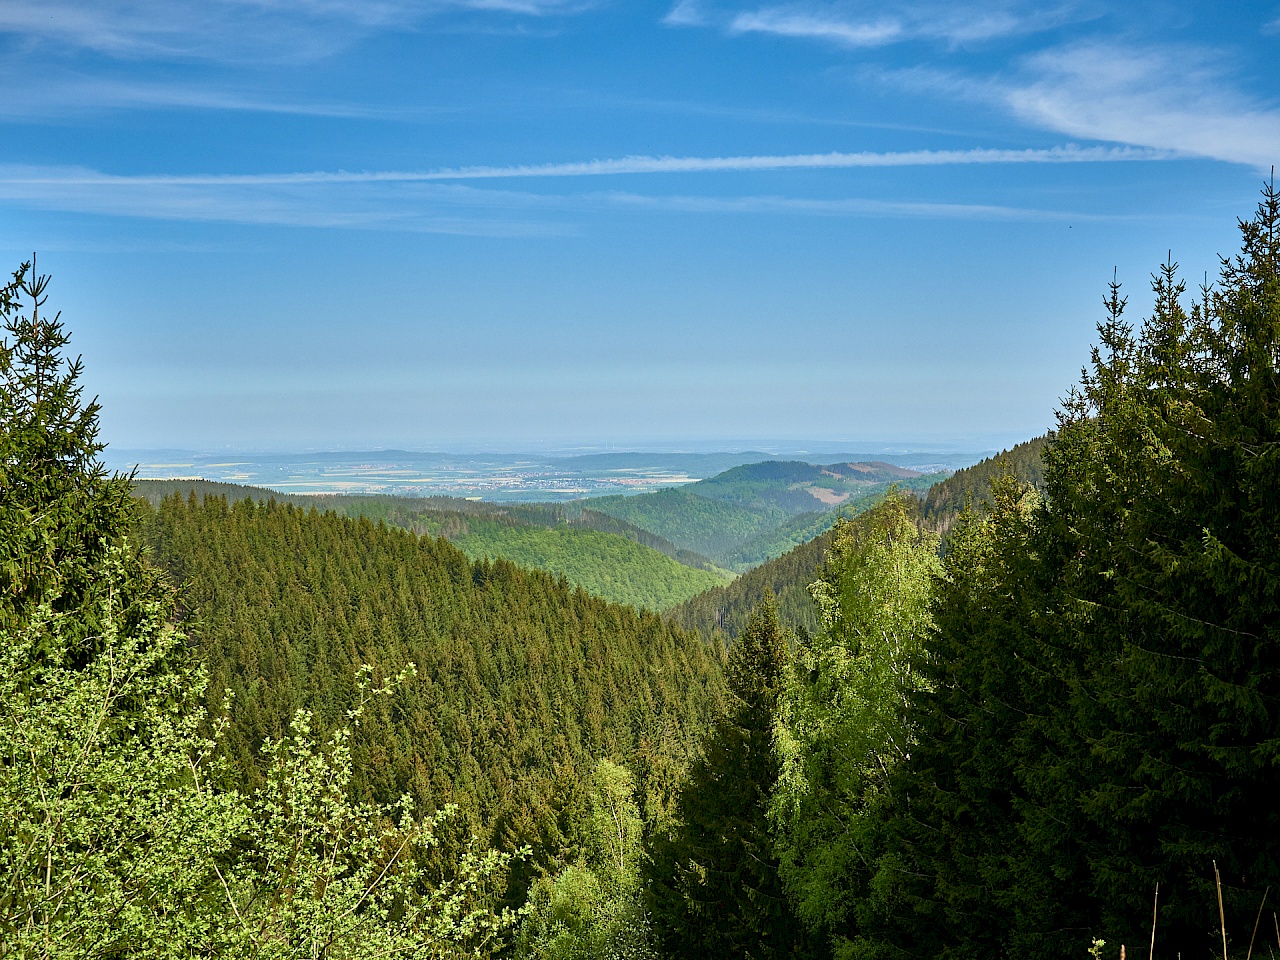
pixel 653 550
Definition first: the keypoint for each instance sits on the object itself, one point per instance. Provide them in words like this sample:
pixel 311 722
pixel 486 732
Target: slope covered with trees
pixel 785 580
pixel 603 555
pixel 575 515
pixel 971 487
pixel 756 512
pixel 609 566
pixel 522 681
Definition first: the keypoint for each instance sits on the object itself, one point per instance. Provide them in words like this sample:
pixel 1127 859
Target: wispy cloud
pixel 686 13
pixel 295 201
pixel 236 29
pixel 1181 100
pixel 54 95
pixel 854 26
pixel 791 23
pixel 394 200
pixel 851 207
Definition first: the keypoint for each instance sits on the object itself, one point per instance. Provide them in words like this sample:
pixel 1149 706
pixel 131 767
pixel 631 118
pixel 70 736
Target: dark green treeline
pixel 522 684
pixel 1099 711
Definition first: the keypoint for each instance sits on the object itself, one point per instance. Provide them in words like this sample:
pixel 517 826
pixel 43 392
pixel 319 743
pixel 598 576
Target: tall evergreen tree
pixel 714 884
pixel 1119 660
pixel 59 508
pixel 954 877
pixel 1162 554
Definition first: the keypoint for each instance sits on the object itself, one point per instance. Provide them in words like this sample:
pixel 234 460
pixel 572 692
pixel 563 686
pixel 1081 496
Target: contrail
pixel 1069 153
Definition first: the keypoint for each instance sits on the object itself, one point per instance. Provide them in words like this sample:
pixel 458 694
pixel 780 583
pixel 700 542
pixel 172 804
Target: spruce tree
pixel 714 886
pixel 59 508
pixel 1162 555
pixel 1103 713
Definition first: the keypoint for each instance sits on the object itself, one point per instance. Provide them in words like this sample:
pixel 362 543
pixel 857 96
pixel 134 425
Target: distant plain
pixel 520 477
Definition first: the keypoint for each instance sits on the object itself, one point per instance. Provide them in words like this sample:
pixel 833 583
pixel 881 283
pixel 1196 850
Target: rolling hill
pixel 606 564
pixel 601 554
pixel 752 513
pixel 726 609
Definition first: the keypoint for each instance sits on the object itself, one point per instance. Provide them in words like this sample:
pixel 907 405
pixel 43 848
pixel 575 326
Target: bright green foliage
pixel 522 681
pixel 1112 665
pixel 108 839
pixel 593 908
pixel 605 564
pixel 117 840
pixel 714 886
pixel 842 728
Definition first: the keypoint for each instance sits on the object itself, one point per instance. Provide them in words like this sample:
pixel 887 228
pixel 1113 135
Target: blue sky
pixel 548 223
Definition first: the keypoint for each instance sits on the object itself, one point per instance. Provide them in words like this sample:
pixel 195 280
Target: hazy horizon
pixel 488 475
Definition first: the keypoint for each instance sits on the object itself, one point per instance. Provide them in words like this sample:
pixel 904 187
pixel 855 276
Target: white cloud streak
pixel 49 95
pixel 686 13
pixel 272 201
pixel 787 23
pixel 11 177
pixel 952 24
pixel 851 207
pixel 424 202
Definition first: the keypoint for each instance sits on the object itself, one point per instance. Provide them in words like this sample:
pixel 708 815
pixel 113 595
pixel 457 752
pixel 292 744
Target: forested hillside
pixel 785 579
pixel 405 512
pixel 755 512
pixel 613 567
pixel 523 682
pixel 599 553
pixel 971 486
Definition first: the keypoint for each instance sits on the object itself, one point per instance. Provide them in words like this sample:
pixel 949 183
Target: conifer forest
pixel 1029 709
